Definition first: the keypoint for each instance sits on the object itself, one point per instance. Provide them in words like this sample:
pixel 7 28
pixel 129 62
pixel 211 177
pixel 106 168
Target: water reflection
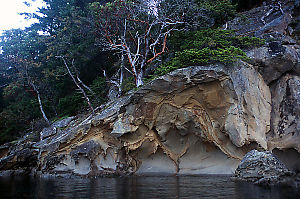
pixel 138 187
pixel 246 190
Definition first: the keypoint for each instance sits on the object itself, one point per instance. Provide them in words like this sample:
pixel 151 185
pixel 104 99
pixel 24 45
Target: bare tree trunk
pixel 40 102
pixel 121 74
pixel 35 89
pixel 77 84
pixel 114 82
pixel 140 75
pixel 84 85
pixel 79 80
pixel 139 79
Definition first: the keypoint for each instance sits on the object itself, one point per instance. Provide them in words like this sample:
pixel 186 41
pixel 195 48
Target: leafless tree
pixel 120 76
pixel 36 90
pixel 137 30
pixel 78 82
pixel 33 88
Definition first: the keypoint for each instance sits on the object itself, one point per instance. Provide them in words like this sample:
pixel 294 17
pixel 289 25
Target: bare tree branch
pixel 40 102
pixel 77 83
pixel 137 29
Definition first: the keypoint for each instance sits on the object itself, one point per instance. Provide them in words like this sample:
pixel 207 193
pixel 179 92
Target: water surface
pixel 158 187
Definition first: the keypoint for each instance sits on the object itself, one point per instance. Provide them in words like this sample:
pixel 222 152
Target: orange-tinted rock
pixel 193 120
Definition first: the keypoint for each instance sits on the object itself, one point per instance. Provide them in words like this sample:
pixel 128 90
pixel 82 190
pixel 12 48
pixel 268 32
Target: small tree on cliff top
pixel 138 30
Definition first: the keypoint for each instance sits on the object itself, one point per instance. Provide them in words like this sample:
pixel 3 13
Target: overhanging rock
pixel 191 121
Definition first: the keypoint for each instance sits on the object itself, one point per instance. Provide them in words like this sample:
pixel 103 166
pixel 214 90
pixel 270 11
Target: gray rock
pixel 89 150
pixel 279 25
pixel 56 127
pixel 112 109
pixel 285 115
pixel 279 55
pixel 48 132
pixel 63 123
pixel 113 93
pixel 9 173
pixel 274 60
pixel 289 157
pixel 287 40
pixel 261 168
pixel 21 155
pixel 123 125
pixel 296 69
pixel 252 24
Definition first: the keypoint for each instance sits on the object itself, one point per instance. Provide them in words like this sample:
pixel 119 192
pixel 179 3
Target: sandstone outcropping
pixel 191 121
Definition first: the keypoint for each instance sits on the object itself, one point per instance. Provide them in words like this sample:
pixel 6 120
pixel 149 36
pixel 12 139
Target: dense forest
pixel 83 53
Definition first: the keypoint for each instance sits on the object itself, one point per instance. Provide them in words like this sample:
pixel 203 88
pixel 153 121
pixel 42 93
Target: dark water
pixel 160 187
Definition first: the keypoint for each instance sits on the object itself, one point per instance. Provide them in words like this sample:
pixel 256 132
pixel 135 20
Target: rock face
pixel 280 55
pixel 255 22
pixel 278 63
pixel 262 168
pixel 285 116
pixel 290 158
pixel 274 60
pixel 191 121
pixel 56 128
pixel 22 155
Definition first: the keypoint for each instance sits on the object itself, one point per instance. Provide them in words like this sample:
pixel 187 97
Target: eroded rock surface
pixel 278 63
pixel 21 156
pixel 192 121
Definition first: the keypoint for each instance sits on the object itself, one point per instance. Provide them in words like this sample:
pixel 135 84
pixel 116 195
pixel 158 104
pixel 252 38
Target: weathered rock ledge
pixel 192 121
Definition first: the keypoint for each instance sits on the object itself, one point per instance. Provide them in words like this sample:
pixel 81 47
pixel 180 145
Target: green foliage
pixel 16 116
pixel 213 39
pixel 206 55
pixel 26 54
pixel 205 47
pixel 221 10
pixel 8 128
pixel 74 102
pixel 128 84
pixel 21 43
pixel 99 86
pixel 70 104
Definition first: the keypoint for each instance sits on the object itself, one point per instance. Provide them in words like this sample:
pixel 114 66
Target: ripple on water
pixel 158 187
